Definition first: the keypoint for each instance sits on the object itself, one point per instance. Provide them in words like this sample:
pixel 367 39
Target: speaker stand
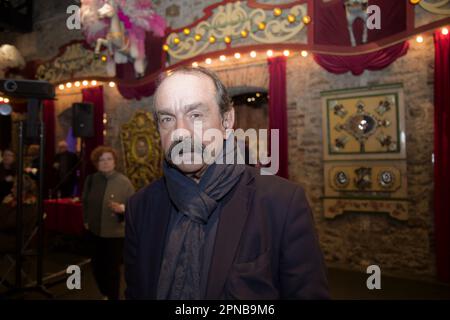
pixel 39 286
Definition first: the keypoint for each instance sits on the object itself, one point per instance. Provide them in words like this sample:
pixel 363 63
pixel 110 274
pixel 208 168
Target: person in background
pixel 7 173
pixel 64 165
pixel 33 168
pixel 104 196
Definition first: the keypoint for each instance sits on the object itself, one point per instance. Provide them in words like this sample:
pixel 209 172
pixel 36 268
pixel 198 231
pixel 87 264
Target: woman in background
pixel 104 196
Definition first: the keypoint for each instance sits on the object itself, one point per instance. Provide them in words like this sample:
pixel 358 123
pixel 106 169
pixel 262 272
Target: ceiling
pixel 16 15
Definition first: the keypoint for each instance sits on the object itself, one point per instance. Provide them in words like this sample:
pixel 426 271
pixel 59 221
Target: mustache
pixel 186 144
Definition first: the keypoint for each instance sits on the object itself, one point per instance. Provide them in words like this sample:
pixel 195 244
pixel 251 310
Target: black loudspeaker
pixel 27 89
pixel 83 120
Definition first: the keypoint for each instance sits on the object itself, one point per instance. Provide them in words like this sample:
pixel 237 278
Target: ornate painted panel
pixel 364 151
pixel 141 148
pixel 364 123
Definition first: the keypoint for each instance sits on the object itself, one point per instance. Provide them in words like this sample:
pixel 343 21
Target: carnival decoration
pixel 355 9
pixel 142 152
pixel 121 26
pixel 235 22
pixel 10 57
pixel 441 7
pixel 365 167
pixel 76 60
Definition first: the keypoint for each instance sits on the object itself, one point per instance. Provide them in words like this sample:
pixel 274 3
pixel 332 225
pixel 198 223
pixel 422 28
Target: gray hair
pixel 222 98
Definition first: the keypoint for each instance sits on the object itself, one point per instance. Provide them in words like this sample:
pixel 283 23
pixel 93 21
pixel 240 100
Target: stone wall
pixel 354 241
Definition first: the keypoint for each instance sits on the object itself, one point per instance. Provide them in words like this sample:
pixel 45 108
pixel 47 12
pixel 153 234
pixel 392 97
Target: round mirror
pixel 362 125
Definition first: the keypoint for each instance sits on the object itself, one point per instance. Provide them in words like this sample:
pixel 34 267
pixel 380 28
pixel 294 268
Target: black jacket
pixel 265 248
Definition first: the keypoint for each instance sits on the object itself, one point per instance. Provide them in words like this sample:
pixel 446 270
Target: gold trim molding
pixel 231 22
pixel 436 7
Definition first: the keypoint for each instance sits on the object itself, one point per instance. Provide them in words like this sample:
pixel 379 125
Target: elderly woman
pixel 104 196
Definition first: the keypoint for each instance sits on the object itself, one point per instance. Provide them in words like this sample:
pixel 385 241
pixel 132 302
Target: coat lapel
pixel 157 237
pixel 231 223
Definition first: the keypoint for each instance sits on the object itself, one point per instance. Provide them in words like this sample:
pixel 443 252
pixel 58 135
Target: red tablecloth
pixel 64 215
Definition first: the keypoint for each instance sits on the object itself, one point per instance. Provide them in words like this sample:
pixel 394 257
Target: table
pixel 64 216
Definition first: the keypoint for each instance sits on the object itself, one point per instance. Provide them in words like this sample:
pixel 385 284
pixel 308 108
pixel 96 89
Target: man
pixel 64 165
pixel 217 231
pixel 7 173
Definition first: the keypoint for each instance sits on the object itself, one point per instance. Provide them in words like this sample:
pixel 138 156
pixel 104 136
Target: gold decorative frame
pixel 436 7
pixel 231 21
pixel 396 189
pixel 141 149
pixel 340 110
pixel 75 61
pixel 362 171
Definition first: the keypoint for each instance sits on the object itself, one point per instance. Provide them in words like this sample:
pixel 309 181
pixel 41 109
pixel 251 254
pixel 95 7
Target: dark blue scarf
pixel 181 266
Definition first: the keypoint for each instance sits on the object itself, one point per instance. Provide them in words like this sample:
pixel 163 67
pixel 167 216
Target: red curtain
pixel 442 154
pixel 93 95
pixel 330 22
pixel 357 64
pixel 48 117
pixel 145 88
pixel 133 88
pixel 278 110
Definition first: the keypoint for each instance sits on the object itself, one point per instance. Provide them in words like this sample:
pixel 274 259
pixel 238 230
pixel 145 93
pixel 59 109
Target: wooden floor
pixel 346 285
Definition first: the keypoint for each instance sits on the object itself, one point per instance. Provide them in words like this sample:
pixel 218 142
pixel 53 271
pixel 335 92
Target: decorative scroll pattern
pixel 374 178
pixel 440 7
pixel 75 61
pixel 277 31
pixel 232 21
pixel 394 208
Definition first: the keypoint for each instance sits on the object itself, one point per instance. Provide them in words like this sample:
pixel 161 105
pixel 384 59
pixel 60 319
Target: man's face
pixel 8 158
pixel 181 100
